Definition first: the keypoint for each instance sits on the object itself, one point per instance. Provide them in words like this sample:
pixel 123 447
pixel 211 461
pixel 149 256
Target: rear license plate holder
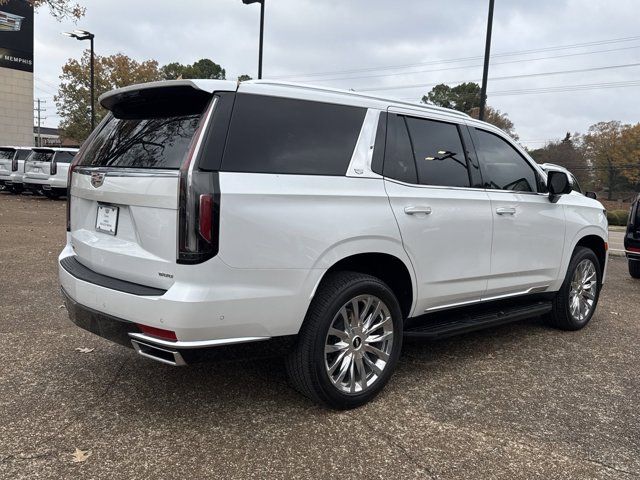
pixel 107 218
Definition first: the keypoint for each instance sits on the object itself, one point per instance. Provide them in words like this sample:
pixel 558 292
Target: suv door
pixel 528 229
pixel 445 224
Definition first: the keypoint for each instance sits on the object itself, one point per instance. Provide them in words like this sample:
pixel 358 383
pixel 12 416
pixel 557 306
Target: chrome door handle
pixel 506 211
pixel 414 210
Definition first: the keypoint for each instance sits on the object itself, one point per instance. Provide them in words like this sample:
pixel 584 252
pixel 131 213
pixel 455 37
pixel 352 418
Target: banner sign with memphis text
pixel 16 35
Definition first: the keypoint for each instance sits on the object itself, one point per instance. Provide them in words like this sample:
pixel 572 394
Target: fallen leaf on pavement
pixel 85 349
pixel 80 455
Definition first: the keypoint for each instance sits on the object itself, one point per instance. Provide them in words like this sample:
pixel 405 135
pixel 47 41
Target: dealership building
pixel 16 73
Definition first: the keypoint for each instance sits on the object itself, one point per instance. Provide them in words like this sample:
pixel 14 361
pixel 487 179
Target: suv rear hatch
pixel 6 158
pixel 125 182
pixel 38 164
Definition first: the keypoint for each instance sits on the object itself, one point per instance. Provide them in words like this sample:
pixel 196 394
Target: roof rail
pixel 361 95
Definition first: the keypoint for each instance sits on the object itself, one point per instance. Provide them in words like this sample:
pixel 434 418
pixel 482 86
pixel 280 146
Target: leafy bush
pixel 617 217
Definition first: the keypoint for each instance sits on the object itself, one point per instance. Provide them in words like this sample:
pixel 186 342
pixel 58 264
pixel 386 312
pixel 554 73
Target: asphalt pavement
pixel 517 402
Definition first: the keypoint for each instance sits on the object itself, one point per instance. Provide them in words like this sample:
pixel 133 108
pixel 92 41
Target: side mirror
pixel 558 184
pixel 591 195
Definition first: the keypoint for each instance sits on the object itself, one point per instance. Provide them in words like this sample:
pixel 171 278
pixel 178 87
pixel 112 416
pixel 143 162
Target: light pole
pixel 485 70
pixel 84 35
pixel 261 2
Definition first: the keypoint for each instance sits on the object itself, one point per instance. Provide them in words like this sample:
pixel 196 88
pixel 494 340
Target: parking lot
pixel 520 401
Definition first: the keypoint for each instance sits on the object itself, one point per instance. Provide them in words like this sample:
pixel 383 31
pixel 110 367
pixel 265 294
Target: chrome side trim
pixel 360 165
pixel 194 343
pixel 538 289
pixel 127 172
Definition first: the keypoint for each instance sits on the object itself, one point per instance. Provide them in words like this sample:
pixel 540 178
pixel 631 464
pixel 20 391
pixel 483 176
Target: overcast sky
pixel 386 45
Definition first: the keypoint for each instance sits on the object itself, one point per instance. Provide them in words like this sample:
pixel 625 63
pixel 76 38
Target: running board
pixel 448 324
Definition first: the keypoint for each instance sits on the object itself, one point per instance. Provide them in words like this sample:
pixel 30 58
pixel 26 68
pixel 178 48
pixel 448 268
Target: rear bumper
pixel 47 183
pixel 213 304
pixel 179 353
pixel 17 178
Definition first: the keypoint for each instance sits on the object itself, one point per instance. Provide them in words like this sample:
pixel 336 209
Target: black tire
pixel 51 195
pixel 306 363
pixel 560 317
pixel 634 268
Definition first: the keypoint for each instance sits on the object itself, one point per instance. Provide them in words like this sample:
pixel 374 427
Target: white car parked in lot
pixel 46 170
pixel 205 214
pixel 12 167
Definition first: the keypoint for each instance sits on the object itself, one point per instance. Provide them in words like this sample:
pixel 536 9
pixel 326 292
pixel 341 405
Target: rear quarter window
pixel 290 136
pixel 64 157
pixel 6 154
pixel 23 154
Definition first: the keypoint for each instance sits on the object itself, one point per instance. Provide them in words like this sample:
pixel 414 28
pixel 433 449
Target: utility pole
pixel 39 109
pixel 485 70
pixel 261 2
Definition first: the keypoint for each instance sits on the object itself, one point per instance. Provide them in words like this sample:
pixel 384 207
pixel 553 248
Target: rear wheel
pixel 576 301
pixel 634 268
pixel 349 343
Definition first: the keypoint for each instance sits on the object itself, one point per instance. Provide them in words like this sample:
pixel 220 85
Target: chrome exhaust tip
pixel 162 355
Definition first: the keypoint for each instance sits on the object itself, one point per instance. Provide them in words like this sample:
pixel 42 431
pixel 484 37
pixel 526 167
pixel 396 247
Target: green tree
pixel 466 98
pixel 204 68
pixel 172 71
pixel 73 99
pixel 463 97
pixel 244 78
pixel 59 9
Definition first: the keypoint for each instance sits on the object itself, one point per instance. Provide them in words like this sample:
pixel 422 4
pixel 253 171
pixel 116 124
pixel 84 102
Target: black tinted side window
pixel 284 135
pixel 64 157
pixel 23 154
pixel 439 153
pixel 503 168
pixel 398 157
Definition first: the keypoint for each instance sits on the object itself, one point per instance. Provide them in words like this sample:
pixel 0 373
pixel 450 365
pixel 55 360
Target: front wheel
pixel 634 268
pixel 576 301
pixel 349 343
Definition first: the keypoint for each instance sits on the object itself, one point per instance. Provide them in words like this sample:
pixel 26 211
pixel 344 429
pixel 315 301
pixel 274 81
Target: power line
pixel 474 66
pixel 463 59
pixel 557 89
pixel 507 77
pixel 567 88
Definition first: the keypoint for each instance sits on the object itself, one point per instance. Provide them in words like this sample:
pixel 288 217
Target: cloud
pixel 304 36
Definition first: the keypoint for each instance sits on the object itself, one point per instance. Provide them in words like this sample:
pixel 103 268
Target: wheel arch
pixel 595 243
pixel 395 272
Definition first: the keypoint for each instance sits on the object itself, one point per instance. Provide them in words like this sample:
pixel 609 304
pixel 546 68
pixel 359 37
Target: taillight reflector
pixel 158 332
pixel 205 216
pixel 633 249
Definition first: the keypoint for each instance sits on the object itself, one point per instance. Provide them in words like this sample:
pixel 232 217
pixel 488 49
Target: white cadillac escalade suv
pixel 206 217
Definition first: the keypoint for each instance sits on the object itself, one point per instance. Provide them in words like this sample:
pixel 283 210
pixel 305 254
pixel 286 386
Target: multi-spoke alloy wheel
pixel 584 286
pixel 349 343
pixel 576 301
pixel 358 344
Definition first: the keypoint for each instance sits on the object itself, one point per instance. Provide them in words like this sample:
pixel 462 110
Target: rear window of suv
pixel 142 142
pixel 41 156
pixel 6 154
pixel 290 136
